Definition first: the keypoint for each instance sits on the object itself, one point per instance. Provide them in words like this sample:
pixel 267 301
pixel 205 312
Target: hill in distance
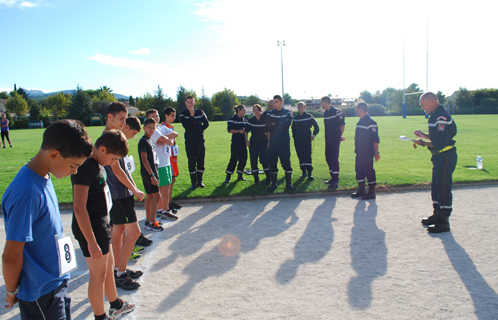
pixel 38 94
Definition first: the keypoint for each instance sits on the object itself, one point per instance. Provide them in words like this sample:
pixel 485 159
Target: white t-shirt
pixel 163 150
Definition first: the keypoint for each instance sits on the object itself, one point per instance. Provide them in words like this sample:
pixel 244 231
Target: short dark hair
pixel 189 97
pixel 69 137
pixel 239 107
pixel 363 106
pixel 149 112
pixel 278 97
pixel 326 99
pixel 114 141
pixel 133 123
pixel 115 108
pixel 149 121
pixel 168 111
pixel 257 106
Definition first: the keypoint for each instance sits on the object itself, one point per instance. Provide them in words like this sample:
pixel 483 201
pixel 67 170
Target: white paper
pixel 67 257
pixel 129 163
pixel 108 198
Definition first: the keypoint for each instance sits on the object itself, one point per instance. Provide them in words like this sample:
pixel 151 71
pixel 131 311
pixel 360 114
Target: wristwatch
pixel 12 293
pixel 153 175
pixel 376 152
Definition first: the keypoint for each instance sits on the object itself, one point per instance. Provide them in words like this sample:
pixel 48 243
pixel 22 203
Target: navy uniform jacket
pixel 194 126
pixel 301 126
pixel 333 120
pixel 366 135
pixel 258 129
pixel 237 123
pixel 442 129
pixel 278 123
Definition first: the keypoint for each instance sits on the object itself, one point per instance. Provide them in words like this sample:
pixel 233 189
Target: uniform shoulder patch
pixel 374 129
pixel 440 127
pixel 441 118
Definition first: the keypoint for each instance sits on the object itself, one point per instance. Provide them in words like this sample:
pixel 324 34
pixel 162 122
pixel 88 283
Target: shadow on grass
pixel 250 226
pixel 314 244
pixel 368 253
pixel 474 168
pixel 485 299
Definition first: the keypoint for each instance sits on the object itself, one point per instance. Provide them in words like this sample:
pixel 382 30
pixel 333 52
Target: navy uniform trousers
pixel 443 165
pixel 257 149
pixel 303 151
pixel 280 149
pixel 238 152
pixel 364 168
pixel 332 156
pixel 196 152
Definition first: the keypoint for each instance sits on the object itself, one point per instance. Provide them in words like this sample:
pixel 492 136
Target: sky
pixel 331 47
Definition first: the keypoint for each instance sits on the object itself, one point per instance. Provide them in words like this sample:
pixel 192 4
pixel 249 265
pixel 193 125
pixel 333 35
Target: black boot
pixel 361 190
pixel 432 219
pixel 288 184
pixel 240 177
pixel 256 177
pixel 193 180
pixel 227 179
pixel 303 175
pixel 199 179
pixel 273 182
pixel 442 224
pixel 310 177
pixel 371 193
pixel 268 178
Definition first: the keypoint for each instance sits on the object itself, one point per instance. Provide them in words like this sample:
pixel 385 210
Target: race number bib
pixel 156 158
pixel 129 163
pixel 108 198
pixel 166 150
pixel 65 250
pixel 175 151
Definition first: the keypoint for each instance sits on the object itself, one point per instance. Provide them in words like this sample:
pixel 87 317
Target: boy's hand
pixel 11 300
pixel 377 157
pixel 139 195
pixel 94 250
pixel 342 138
pixel 248 144
pixel 191 112
pixel 312 138
pixel 154 181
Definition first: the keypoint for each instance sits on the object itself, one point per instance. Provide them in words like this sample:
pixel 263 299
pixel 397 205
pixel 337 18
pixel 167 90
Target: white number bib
pixel 156 158
pixel 129 163
pixel 66 255
pixel 108 198
pixel 175 151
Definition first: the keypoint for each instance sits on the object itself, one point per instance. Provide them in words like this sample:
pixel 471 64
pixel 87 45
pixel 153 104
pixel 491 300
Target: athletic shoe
pixel 138 249
pixel 159 213
pixel 134 257
pixel 125 282
pixel 143 241
pixel 117 313
pixel 153 226
pixel 134 274
pixel 167 215
pixel 173 210
pixel 175 205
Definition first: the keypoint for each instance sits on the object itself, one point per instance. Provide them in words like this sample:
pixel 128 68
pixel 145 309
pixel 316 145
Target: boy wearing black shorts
pixel 91 205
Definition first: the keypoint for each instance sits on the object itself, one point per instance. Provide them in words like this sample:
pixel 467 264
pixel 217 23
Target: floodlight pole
pixel 404 100
pixel 281 45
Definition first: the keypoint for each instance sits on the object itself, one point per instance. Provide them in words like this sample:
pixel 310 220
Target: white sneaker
pixel 117 313
pixel 167 215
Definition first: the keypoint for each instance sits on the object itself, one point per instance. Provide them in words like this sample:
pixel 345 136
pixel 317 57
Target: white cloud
pixel 142 51
pixel 19 3
pixel 123 62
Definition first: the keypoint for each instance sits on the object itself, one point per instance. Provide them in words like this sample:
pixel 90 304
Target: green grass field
pixel 400 163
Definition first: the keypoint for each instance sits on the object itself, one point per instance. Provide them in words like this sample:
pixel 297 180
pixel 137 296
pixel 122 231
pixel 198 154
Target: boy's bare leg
pixel 110 285
pixel 117 232
pixel 127 247
pixel 97 269
pixel 171 189
pixel 153 199
pixel 164 191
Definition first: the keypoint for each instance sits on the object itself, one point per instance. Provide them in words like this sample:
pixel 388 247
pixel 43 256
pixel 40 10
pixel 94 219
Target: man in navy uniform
pixel 195 122
pixel 302 135
pixel 334 128
pixel 366 147
pixel 277 123
pixel 439 141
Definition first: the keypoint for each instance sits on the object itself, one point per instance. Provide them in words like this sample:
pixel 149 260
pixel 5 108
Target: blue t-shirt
pixel 31 214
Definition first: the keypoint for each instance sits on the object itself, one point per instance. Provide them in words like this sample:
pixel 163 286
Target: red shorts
pixel 174 166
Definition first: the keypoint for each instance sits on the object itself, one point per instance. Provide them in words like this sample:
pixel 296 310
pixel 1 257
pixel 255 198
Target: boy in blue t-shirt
pixel 30 261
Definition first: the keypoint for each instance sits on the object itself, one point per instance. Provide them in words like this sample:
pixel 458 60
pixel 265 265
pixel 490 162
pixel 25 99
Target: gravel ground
pixel 314 257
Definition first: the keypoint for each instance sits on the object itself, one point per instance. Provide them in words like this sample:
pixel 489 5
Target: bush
pixel 376 110
pixel 21 122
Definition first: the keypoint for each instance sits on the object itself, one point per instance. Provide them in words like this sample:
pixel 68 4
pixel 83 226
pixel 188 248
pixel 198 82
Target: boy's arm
pixel 123 178
pixel 12 261
pixel 376 149
pixel 145 161
pixel 205 121
pixel 187 123
pixel 80 197
pixel 167 138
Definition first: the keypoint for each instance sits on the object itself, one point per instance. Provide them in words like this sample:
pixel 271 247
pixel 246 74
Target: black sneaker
pixel 143 241
pixel 173 210
pixel 125 282
pixel 134 274
pixel 175 205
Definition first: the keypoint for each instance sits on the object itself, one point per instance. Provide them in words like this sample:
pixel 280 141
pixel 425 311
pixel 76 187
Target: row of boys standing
pixel 270 138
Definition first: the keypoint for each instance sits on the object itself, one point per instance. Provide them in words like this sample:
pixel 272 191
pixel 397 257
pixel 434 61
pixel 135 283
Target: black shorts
pixel 123 211
pixel 102 233
pixel 5 134
pixel 149 188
